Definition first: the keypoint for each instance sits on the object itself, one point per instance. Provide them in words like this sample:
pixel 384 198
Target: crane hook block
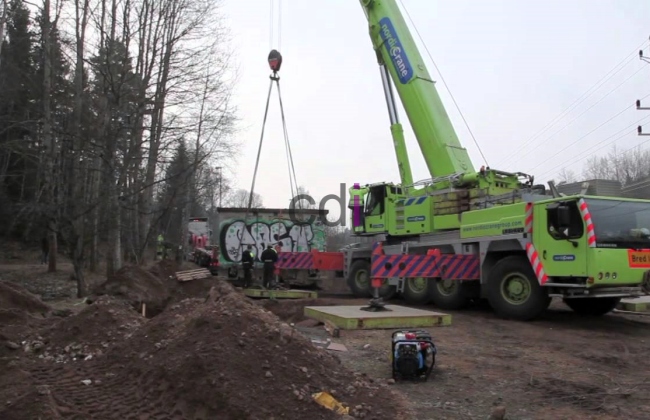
pixel 275 60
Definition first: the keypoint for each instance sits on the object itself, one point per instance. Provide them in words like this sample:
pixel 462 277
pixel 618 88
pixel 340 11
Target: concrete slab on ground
pixel 640 304
pixel 280 294
pixel 353 318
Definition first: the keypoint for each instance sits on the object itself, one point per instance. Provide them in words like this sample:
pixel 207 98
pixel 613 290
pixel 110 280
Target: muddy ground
pixel 202 350
pixel 561 367
pixel 201 354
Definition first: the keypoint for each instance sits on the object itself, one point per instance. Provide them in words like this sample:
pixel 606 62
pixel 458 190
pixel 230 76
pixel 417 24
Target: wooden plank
pixel 198 270
pixel 331 329
pixel 197 274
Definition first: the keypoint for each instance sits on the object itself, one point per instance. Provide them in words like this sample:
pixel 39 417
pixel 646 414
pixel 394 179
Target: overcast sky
pixel 513 67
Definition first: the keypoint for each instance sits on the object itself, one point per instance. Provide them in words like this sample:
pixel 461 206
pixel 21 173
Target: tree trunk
pixel 48 139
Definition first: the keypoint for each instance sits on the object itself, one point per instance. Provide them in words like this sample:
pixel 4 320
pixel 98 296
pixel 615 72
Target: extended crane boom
pixel 455 187
pixel 442 151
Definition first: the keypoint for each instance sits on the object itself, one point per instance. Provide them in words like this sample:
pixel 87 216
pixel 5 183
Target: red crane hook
pixel 275 60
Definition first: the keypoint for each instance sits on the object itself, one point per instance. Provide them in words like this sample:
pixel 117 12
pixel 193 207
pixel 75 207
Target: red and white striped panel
pixel 533 257
pixel 528 226
pixel 586 216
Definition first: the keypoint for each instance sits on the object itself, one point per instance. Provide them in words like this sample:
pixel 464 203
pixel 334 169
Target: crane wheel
pixel 359 281
pixel 417 291
pixel 514 291
pixel 592 306
pixel 449 294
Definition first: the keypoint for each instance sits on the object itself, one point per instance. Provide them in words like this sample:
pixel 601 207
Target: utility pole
pixel 639 129
pixel 220 168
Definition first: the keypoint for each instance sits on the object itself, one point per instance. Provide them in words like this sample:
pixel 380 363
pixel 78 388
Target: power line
pixel 628 130
pixel 585 111
pixel 581 99
pixel 576 141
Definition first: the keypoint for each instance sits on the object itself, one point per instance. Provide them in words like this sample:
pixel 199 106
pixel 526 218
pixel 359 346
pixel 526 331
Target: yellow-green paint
pixel 493 221
pixel 635 305
pixel 387 320
pixel 280 294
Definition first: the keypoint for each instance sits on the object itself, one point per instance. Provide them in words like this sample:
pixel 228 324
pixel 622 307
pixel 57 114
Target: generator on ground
pixel 413 355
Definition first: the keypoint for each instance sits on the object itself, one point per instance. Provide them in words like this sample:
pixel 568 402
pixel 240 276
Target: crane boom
pixel 396 50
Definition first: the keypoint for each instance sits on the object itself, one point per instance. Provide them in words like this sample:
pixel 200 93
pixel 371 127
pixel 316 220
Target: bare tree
pixel 239 198
pixel 3 22
pixel 302 200
pixel 566 176
pixel 627 167
pixel 111 99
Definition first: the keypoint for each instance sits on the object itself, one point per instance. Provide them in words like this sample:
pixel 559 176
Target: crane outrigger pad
pixel 354 318
pixel 280 294
pixel 640 304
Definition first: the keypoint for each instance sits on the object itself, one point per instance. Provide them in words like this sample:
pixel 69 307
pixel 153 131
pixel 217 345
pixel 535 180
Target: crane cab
pixel 372 208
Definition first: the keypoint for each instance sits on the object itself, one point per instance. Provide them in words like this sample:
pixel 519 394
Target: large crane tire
pixel 514 291
pixel 417 291
pixel 359 278
pixel 449 294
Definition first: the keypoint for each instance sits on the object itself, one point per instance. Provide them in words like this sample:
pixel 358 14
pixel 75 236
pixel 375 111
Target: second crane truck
pixel 465 234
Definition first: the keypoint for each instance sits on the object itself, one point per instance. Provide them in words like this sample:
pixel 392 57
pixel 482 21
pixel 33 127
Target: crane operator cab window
pixel 375 201
pixel 564 220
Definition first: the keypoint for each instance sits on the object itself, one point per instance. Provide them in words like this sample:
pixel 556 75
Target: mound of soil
pixel 165 269
pixel 90 332
pixel 20 312
pixel 137 286
pixel 178 291
pixel 13 296
pixel 218 357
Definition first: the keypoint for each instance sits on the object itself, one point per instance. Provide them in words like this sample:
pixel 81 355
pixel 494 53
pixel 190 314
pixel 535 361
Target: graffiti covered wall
pixel 235 235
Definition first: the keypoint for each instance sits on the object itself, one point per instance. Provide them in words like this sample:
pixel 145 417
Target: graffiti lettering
pixel 236 235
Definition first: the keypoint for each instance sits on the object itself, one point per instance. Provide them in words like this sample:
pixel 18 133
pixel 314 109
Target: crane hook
pixel 275 60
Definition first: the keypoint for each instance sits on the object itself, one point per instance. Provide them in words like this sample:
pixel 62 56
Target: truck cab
pixel 593 242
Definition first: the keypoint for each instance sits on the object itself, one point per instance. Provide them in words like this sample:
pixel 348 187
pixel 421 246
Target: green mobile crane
pixel 465 234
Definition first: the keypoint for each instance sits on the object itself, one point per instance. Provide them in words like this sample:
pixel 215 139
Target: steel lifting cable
pixel 293 180
pixel 275 61
pixel 292 167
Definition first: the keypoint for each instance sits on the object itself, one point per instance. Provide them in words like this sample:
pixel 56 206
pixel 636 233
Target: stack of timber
pixel 188 275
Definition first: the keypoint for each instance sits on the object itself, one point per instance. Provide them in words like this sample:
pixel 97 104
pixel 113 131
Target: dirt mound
pixel 210 358
pixel 137 285
pixel 88 333
pixel 13 296
pixel 20 314
pixel 164 269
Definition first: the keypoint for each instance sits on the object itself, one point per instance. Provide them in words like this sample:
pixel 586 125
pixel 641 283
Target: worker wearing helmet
pixel 269 257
